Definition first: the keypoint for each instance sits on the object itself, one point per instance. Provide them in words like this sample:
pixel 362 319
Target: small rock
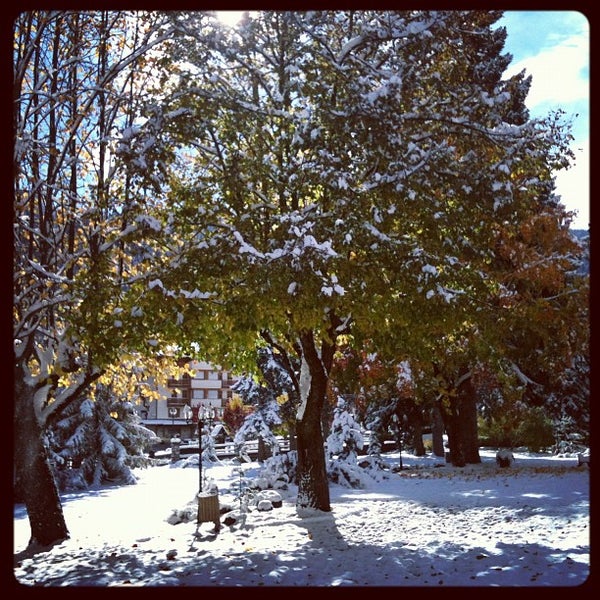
pixel 272 496
pixel 264 505
pixel 504 458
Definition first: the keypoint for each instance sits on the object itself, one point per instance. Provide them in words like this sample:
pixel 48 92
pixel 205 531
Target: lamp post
pixel 208 503
pixel 398 425
pixel 187 415
pixel 204 415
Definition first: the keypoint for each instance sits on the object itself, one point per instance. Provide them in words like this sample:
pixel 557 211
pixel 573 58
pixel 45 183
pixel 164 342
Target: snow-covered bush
pixel 280 468
pixel 343 443
pixel 260 423
pixel 375 467
pixel 504 458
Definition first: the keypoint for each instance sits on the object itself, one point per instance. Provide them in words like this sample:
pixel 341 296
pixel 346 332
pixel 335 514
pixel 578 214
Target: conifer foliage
pixel 264 418
pixel 343 443
pixel 98 441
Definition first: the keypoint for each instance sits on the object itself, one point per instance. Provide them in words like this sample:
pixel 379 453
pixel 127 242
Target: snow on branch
pixel 522 377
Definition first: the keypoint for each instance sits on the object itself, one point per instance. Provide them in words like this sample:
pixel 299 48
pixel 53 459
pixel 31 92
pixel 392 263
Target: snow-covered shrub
pixel 375 467
pixel 504 458
pixel 280 469
pixel 69 479
pixel 583 458
pixel 187 514
pixel 343 442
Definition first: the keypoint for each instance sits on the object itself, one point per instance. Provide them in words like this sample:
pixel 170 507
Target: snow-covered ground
pixel 431 524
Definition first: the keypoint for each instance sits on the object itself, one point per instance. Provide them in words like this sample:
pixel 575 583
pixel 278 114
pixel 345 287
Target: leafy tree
pixel 235 412
pixel 542 321
pixel 348 171
pixel 82 221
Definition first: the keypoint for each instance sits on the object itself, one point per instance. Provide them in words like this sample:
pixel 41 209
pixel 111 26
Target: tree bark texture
pixel 437 432
pixel 468 420
pixel 313 487
pixel 34 481
pixel 460 419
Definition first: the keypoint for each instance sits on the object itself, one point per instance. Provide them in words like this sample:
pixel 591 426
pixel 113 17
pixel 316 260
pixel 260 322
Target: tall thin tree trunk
pixel 34 480
pixel 417 433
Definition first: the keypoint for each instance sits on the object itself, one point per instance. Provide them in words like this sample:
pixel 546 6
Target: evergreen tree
pixel 259 424
pixel 280 373
pixel 103 439
pixel 344 441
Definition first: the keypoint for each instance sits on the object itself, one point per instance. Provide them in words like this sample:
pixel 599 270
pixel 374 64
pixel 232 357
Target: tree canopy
pixel 353 172
pixel 302 177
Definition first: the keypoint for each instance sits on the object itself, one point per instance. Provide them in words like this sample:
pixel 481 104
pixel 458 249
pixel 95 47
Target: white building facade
pixel 182 400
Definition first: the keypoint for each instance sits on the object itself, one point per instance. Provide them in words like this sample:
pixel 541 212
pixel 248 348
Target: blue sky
pixel 554 48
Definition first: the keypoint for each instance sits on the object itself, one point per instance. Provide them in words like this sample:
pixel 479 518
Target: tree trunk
pixel 437 432
pixel 468 422
pixel 313 487
pixel 451 416
pixel 34 480
pixel 417 432
pixel 418 445
pixel 264 451
pixel 461 424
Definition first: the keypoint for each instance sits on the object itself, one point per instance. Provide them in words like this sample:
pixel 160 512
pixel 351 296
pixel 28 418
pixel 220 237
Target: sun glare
pixel 231 18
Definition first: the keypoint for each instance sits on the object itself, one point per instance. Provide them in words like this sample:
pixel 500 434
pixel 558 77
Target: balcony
pixel 179 383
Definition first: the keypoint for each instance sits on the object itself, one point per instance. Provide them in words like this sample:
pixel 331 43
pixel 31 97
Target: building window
pixel 180 396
